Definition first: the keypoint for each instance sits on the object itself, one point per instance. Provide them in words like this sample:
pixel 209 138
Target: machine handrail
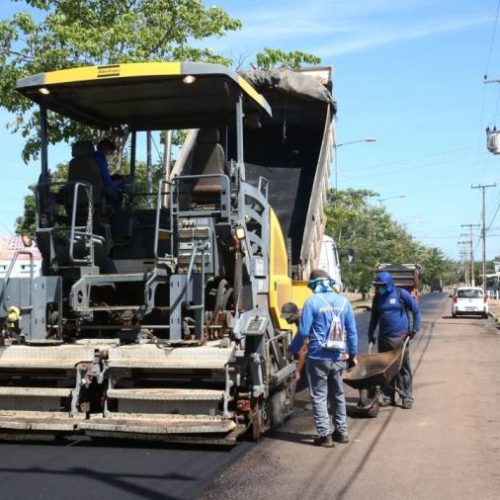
pixel 9 272
pixel 88 227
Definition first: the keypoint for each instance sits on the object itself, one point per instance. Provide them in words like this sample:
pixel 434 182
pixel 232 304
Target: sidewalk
pixel 447 446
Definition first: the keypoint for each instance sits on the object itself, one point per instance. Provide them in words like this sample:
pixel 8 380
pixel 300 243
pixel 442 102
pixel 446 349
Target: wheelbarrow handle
pixel 405 345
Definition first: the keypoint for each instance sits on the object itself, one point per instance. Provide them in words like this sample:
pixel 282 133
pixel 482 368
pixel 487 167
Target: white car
pixel 469 300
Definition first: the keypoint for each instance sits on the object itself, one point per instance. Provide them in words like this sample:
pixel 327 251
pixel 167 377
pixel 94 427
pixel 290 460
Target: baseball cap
pixel 288 309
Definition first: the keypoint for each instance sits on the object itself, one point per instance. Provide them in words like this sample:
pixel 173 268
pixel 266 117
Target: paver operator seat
pixel 83 168
pixel 208 158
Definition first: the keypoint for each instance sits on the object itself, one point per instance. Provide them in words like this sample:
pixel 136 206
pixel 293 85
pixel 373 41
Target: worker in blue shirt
pixel 328 323
pixel 391 307
pixel 105 148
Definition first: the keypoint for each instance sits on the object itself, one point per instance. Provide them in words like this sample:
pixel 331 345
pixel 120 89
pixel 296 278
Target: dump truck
pixel 404 276
pixel 161 320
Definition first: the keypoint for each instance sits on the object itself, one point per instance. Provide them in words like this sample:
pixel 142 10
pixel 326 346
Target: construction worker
pixel 105 148
pixel 290 312
pixel 390 311
pixel 328 323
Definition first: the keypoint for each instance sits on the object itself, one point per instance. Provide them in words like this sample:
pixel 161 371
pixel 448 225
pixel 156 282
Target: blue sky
pixel 409 73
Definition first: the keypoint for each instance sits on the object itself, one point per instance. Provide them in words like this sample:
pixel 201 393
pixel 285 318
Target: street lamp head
pixel 380 200
pixel 337 146
pixel 366 139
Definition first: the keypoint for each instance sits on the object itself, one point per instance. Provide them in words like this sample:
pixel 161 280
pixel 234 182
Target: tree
pixel 25 224
pixel 75 33
pixel 376 238
pixel 436 266
pixel 272 58
pixel 343 208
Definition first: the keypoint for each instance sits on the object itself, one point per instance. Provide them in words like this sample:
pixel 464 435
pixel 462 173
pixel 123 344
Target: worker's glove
pixel 412 333
pixel 352 362
pixel 371 346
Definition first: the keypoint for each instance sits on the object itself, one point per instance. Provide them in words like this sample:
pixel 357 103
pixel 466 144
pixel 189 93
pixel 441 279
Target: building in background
pixel 12 246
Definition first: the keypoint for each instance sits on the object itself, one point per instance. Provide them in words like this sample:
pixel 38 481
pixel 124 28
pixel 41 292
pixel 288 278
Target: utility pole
pixel 463 256
pixel 472 273
pixel 467 245
pixel 483 229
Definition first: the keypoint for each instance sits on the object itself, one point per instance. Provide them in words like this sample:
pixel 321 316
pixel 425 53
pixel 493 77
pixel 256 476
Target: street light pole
pixel 367 139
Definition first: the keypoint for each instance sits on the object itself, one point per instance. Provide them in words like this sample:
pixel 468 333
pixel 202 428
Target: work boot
pixel 324 441
pixel 387 402
pixel 407 404
pixel 340 438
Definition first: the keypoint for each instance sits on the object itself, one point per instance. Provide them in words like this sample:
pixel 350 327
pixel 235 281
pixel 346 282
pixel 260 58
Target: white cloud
pixel 349 26
pixel 368 38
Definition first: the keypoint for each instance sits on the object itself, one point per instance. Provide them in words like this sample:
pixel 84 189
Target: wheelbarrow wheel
pixel 368 402
pixel 373 409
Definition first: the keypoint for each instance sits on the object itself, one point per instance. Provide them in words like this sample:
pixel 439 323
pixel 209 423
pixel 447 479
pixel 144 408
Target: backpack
pixel 406 308
pixel 335 338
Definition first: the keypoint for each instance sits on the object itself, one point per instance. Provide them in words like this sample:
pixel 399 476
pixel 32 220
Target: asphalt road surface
pixel 79 468
pixel 447 446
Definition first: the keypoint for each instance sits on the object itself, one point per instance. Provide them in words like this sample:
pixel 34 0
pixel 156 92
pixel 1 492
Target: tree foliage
pixel 75 33
pixel 272 58
pixel 25 224
pixel 72 33
pixel 375 238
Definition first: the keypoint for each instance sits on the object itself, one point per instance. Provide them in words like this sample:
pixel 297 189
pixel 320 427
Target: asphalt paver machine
pixel 164 322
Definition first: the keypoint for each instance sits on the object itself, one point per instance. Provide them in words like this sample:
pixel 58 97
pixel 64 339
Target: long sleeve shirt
pixel 102 162
pixel 315 322
pixel 389 312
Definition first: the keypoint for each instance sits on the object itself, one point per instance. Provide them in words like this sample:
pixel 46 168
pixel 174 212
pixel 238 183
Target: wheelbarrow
pixel 372 373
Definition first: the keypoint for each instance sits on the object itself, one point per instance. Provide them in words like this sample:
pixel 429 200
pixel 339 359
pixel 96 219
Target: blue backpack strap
pixel 404 305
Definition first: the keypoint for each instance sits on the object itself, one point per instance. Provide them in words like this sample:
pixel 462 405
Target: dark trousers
pixel 403 380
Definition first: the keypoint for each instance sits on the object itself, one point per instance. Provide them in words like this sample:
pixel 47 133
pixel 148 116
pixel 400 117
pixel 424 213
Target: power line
pixel 490 51
pixel 471 252
pixel 422 157
pixel 416 168
pixel 493 220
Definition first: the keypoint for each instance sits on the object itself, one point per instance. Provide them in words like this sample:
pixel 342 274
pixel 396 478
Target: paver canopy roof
pixel 144 96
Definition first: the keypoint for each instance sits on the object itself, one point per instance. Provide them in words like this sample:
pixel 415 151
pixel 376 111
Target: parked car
pixel 469 300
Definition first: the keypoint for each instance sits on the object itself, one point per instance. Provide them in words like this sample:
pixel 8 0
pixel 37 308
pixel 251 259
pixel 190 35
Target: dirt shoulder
pixel 357 301
pixel 494 306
